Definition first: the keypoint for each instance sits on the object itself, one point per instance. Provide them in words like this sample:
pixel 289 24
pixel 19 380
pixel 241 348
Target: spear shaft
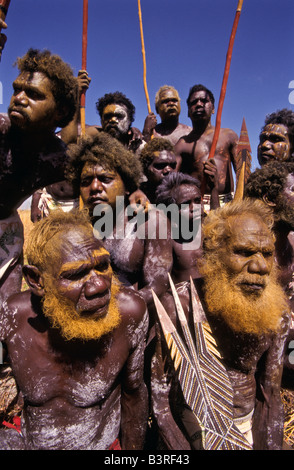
pixel 84 65
pixel 144 57
pixel 223 87
pixel 225 80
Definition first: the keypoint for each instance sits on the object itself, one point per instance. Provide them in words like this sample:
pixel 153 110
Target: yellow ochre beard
pixel 63 315
pixel 255 315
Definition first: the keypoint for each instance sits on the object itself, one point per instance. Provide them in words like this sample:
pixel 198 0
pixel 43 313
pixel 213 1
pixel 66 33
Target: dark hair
pixel 158 144
pixel 108 152
pixel 165 190
pixel 64 85
pixel 116 98
pixel 269 180
pixel 200 87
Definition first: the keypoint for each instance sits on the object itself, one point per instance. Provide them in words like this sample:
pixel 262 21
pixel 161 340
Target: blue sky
pixel 186 43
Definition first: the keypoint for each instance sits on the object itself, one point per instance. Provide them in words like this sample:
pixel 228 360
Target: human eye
pixel 102 266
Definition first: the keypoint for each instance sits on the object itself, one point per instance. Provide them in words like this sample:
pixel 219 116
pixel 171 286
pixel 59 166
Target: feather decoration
pixel 203 378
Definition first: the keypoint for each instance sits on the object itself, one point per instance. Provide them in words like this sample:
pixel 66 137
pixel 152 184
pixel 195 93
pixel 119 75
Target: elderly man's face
pixel 115 120
pixel 80 289
pixel 83 274
pixel 100 186
pixel 274 144
pixel 169 104
pixel 32 105
pixel 248 254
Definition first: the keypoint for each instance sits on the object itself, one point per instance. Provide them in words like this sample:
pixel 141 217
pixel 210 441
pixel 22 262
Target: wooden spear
pixel 144 57
pixel 224 85
pixel 4 5
pixel 84 65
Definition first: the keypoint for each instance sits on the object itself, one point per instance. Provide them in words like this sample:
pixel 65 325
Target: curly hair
pixel 108 152
pixel 200 87
pixel 158 144
pixel 116 98
pixel 161 90
pixel 269 180
pixel 64 85
pixel 216 229
pixel 38 251
pixel 165 191
pixel 283 116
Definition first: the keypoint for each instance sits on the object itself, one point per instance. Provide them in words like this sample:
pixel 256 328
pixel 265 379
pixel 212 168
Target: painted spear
pixel 224 85
pixel 144 58
pixel 84 65
pixel 4 5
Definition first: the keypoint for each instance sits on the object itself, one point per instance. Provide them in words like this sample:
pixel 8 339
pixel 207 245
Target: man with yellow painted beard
pixel 248 316
pixel 76 344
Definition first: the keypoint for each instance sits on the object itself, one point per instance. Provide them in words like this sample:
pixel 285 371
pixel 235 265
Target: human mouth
pixel 95 308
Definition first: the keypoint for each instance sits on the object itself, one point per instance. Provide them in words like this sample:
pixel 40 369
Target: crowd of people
pixel 158 308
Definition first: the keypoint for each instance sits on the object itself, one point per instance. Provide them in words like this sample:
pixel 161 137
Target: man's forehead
pixel 280 129
pixel 249 227
pixel 32 79
pixel 115 108
pixel 91 168
pixel 163 155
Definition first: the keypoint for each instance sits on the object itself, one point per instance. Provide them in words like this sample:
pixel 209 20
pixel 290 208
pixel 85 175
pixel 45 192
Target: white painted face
pixel 115 119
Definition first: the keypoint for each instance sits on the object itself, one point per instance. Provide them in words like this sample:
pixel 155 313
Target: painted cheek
pixel 281 150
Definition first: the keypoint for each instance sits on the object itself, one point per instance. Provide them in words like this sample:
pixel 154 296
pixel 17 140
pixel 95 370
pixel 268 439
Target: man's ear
pixel 34 279
pixel 268 201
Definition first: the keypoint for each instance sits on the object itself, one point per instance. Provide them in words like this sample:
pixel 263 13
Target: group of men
pixel 85 342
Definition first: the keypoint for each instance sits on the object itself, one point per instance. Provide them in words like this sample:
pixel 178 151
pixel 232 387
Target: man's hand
pixel 3 37
pixel 83 81
pixel 210 170
pixel 149 126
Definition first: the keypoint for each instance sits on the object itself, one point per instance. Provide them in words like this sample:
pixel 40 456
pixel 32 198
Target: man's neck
pixel 170 124
pixel 200 126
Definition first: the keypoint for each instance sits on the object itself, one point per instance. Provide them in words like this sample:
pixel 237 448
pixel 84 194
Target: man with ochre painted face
pixel 248 315
pixel 117 114
pixel 168 106
pixel 76 343
pixel 276 139
pixel 31 156
pixel 106 173
pixel 194 148
pixel 274 184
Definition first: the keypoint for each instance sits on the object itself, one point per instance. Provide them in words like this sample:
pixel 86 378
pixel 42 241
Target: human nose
pixel 258 265
pixel 95 285
pixel 167 169
pixel 21 98
pixel 96 186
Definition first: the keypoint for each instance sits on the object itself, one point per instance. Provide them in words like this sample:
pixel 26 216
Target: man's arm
pixel 69 134
pixel 268 419
pixel 134 396
pixel 158 256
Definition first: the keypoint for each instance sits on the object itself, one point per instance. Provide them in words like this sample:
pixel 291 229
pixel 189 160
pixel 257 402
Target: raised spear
pixel 84 65
pixel 4 4
pixel 224 85
pixel 144 58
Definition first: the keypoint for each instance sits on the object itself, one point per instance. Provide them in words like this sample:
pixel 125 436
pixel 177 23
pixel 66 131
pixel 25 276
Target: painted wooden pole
pixel 84 65
pixel 144 58
pixel 224 85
